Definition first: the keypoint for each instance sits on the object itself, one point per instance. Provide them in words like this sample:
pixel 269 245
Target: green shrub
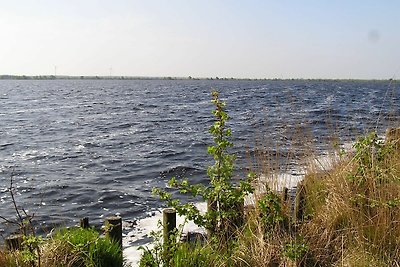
pixel 13 259
pixel 295 249
pixel 225 197
pixel 271 209
pixel 84 247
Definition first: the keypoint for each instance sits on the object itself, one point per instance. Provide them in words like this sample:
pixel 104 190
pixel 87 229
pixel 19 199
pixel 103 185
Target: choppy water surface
pixel 94 148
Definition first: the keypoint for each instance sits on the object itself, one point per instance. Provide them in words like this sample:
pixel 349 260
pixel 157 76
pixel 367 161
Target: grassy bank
pixel 349 216
pixel 75 247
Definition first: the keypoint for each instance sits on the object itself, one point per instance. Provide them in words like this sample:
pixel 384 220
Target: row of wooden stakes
pixel 112 230
pixel 113 224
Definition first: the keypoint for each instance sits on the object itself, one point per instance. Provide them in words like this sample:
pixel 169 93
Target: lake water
pixel 94 148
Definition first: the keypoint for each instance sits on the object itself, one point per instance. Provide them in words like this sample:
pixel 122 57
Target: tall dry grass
pixel 351 215
pixel 355 206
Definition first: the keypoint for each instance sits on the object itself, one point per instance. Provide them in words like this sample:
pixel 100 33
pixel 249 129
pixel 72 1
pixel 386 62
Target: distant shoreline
pixel 85 77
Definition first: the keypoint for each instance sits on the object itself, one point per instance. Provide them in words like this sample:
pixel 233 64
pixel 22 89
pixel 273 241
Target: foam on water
pixel 141 233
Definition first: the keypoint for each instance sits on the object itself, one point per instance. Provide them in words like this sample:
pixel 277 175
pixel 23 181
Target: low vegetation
pixel 75 247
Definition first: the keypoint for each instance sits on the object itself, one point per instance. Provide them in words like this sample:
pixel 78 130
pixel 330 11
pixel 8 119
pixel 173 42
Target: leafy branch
pixel 225 198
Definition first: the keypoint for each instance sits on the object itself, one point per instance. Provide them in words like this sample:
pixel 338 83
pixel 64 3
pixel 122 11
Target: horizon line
pixel 129 77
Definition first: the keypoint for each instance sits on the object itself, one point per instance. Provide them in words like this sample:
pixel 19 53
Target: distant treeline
pixel 66 77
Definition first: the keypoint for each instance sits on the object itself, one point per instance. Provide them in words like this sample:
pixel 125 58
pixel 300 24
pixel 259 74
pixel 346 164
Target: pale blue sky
pixel 208 38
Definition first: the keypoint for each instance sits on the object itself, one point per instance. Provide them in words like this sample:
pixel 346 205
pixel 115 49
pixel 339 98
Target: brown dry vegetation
pixel 351 214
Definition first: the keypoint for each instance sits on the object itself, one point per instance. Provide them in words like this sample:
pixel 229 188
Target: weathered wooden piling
pixel 299 207
pixel 85 223
pixel 169 225
pixel 284 195
pixel 113 229
pixel 169 231
pixel 14 242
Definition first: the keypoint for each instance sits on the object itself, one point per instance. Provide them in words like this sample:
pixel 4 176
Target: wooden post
pixel 85 222
pixel 113 226
pixel 286 208
pixel 284 196
pixel 13 242
pixel 169 227
pixel 169 224
pixel 299 207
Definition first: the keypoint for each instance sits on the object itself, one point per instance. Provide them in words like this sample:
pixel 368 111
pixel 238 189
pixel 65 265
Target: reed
pixel 354 206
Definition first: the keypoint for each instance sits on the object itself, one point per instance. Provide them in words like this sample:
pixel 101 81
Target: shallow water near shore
pixel 96 148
